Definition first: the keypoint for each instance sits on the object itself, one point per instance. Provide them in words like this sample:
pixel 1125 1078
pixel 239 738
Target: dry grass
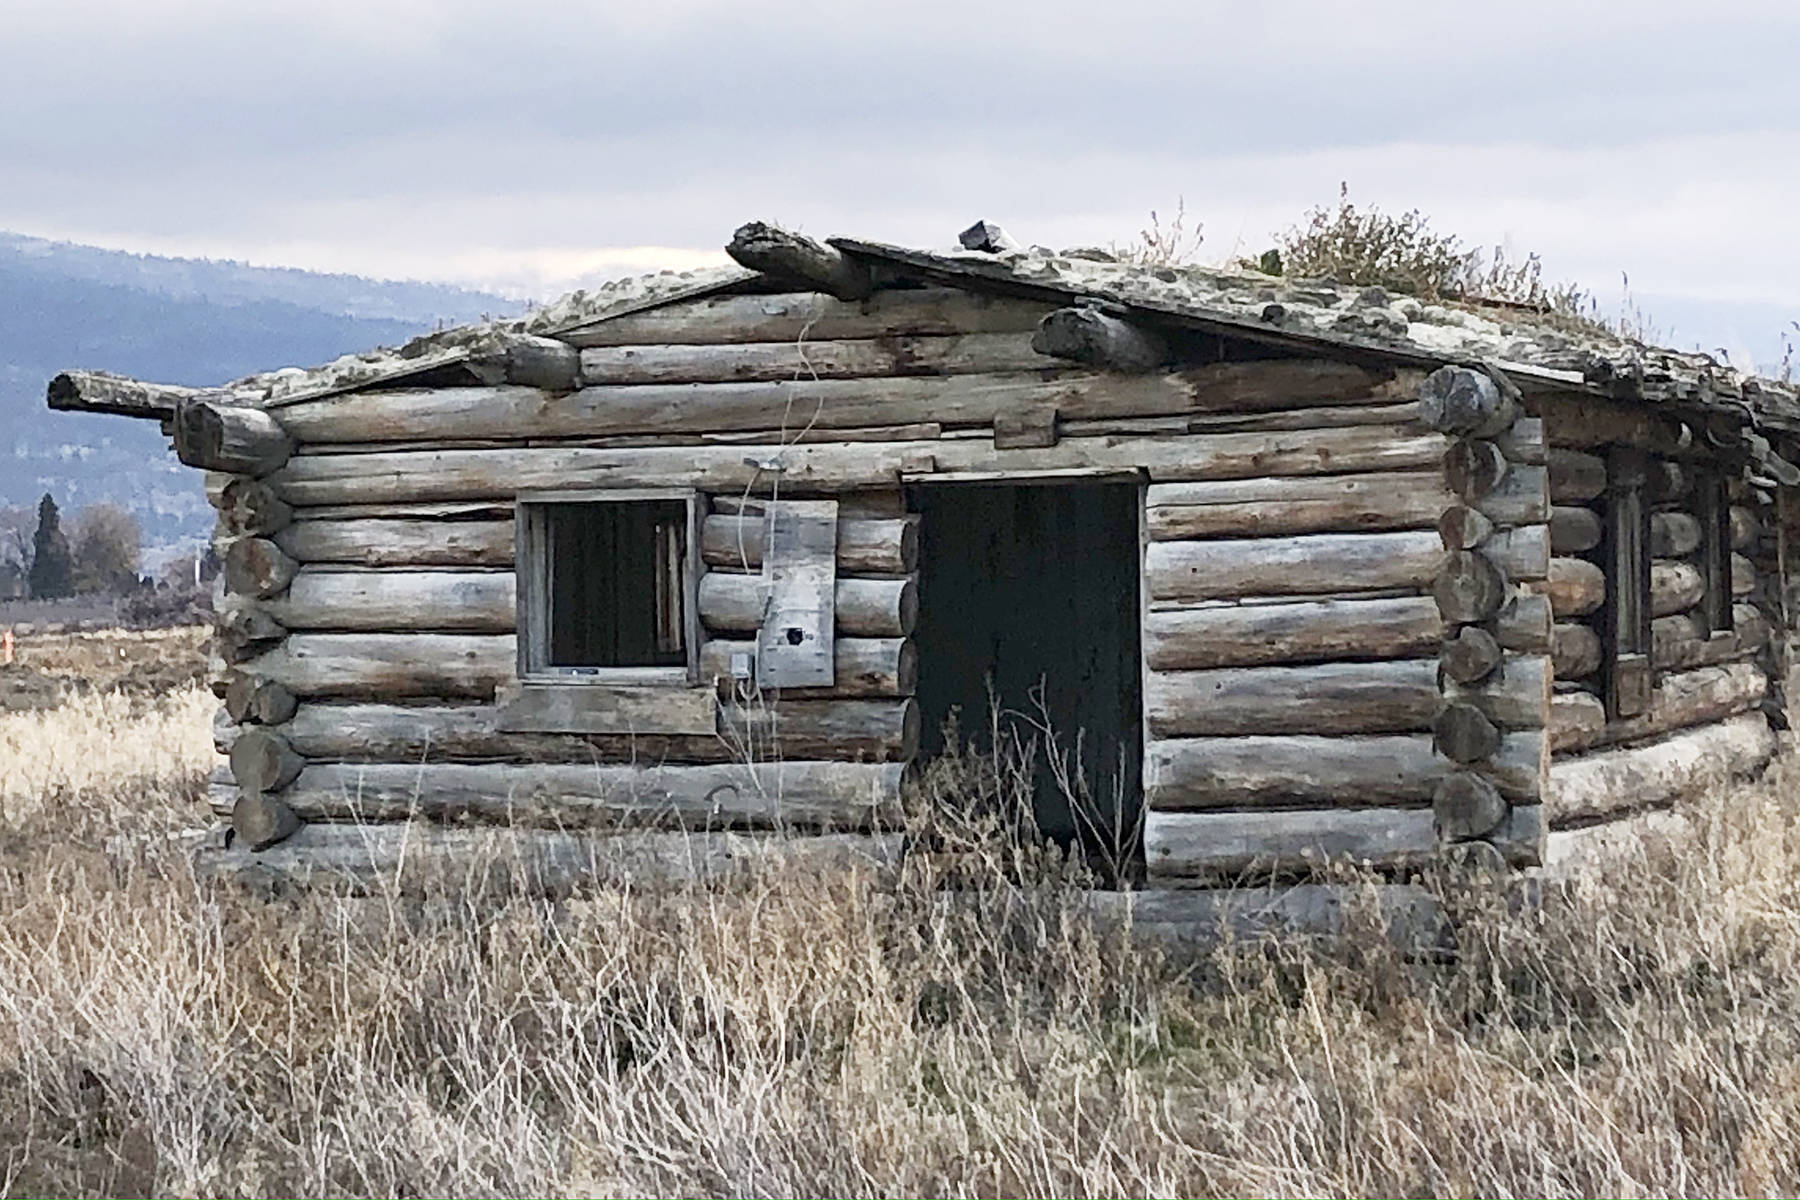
pixel 791 1035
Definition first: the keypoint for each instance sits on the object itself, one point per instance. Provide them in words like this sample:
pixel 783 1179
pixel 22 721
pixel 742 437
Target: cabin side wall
pixel 1709 691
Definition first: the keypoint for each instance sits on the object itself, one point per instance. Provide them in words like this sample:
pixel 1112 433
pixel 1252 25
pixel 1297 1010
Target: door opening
pixel 1029 611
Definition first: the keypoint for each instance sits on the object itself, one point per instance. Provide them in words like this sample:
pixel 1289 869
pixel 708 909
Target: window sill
pixel 609 704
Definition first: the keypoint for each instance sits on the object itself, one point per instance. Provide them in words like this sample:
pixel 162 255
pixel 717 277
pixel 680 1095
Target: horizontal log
pixel 1325 417
pixel 1676 642
pixel 400 601
pixel 115 395
pixel 592 706
pixel 1470 655
pixel 1573 530
pixel 1592 851
pixel 797 316
pixel 1301 771
pixel 856 730
pixel 1521 498
pixel 1523 442
pixel 1521 552
pixel 1517 696
pixel 385 666
pixel 261 820
pixel 252 701
pixel 400 543
pixel 1577 720
pixel 250 508
pixel 1589 423
pixel 1317 504
pixel 1746 529
pixel 1575 477
pixel 526 361
pixel 875 547
pixel 1468 587
pixel 257 567
pixel 1574 586
pixel 1743 576
pixel 463 475
pixel 860 358
pixel 1673 534
pixel 1675 587
pixel 877 504
pixel 1204 918
pixel 1294 632
pixel 1217 847
pixel 1319 563
pixel 1576 650
pixel 1524 624
pixel 827 795
pixel 861 667
pixel 262 760
pixel 1679 766
pixel 1329 698
pixel 418 857
pixel 878 608
pixel 1702 696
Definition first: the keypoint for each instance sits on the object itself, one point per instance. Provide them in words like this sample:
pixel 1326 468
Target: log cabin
pixel 1303 573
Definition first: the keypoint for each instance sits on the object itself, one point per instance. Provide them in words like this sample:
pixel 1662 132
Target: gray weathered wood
pixel 398 601
pixel 1466 402
pixel 863 358
pixel 596 707
pixel 1577 721
pixel 1675 587
pixel 1330 698
pixel 1463 733
pixel 1676 767
pixel 1302 770
pixel 1523 624
pixel 1575 587
pixel 1470 655
pixel 772 250
pixel 526 361
pixel 1746 529
pixel 251 507
pixel 814 317
pixel 1463 528
pixel 400 543
pixel 862 667
pixel 1521 552
pixel 1319 563
pixel 1086 335
pixel 422 858
pixel 1219 847
pixel 1589 422
pixel 232 438
pixel 1474 468
pixel 884 730
pixel 736 603
pixel 1703 696
pixel 879 546
pixel 252 701
pixel 1575 477
pixel 831 795
pixel 1521 498
pixel 1468 587
pixel 1673 534
pixel 1292 632
pixel 257 567
pixel 1316 504
pixel 1743 576
pixel 1204 918
pixel 384 666
pixel 1517 696
pixel 243 626
pixel 1466 806
pixel 464 475
pixel 262 760
pixel 1576 650
pixel 1573 530
pixel 260 820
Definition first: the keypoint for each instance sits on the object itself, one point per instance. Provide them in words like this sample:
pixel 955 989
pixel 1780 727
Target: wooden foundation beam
pixel 1677 767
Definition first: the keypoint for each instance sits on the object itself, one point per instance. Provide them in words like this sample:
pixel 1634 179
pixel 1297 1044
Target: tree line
pixel 99 553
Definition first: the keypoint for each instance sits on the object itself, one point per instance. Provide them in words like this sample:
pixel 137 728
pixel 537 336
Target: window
pixel 606 588
pixel 1712 507
pixel 1626 630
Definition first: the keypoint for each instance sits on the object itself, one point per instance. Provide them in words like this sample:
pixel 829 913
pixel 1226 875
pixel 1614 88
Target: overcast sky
pixel 531 148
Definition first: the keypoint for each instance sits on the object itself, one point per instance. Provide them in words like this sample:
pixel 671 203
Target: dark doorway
pixel 1028 600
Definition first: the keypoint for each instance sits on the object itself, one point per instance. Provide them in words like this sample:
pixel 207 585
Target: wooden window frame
pixel 1625 629
pixel 1712 507
pixel 532 569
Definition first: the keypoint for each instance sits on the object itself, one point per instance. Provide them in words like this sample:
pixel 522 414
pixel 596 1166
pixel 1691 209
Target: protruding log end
pixel 775 251
pixel 534 362
pixel 1458 400
pixel 232 438
pixel 1463 528
pixel 1466 806
pixel 262 761
pixel 257 567
pixel 1471 655
pixel 1085 335
pixel 246 626
pixel 1464 734
pixel 262 821
pixel 1474 468
pixel 251 507
pixel 253 701
pixel 1468 588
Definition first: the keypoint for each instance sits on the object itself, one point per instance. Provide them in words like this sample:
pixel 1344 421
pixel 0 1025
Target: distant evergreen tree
pixel 52 575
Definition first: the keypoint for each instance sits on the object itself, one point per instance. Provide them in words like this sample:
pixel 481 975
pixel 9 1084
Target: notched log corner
pixel 792 256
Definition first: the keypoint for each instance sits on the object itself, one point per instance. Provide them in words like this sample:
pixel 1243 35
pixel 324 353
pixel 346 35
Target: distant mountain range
pixel 171 320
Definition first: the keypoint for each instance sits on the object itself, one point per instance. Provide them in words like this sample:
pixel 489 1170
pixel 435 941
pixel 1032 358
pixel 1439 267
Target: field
pixel 795 1034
